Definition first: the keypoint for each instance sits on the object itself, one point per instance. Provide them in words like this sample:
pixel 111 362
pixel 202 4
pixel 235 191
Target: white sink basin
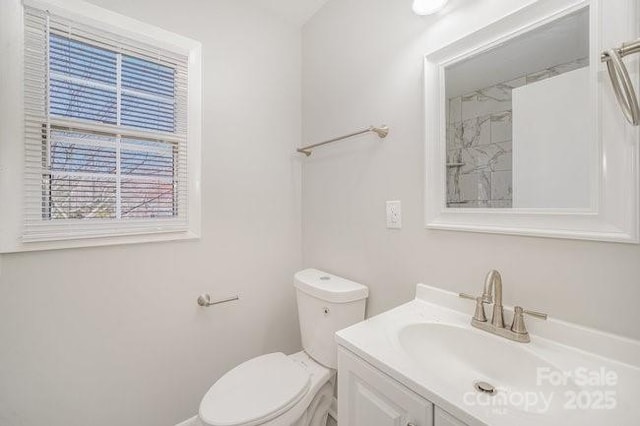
pixel 429 346
pixel 469 356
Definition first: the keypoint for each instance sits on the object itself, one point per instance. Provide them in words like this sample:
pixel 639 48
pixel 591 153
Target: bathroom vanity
pixel 423 364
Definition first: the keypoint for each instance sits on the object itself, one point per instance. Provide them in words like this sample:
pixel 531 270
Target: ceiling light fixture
pixel 428 7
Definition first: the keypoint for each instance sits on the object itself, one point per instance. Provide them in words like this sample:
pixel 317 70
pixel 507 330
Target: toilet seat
pixel 255 392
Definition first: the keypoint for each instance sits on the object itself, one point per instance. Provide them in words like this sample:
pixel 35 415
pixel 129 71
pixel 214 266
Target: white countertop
pixel 568 347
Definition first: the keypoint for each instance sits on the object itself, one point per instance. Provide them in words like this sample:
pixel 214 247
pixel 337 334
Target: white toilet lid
pixel 254 392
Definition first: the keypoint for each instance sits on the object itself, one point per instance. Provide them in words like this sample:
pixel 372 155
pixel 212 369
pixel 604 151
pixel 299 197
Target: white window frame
pixel 11 112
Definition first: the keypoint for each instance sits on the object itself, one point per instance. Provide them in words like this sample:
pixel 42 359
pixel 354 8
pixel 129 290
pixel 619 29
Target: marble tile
pixel 479 134
pixel 454 136
pixel 557 70
pixel 517 82
pixel 477 204
pixel 492 157
pixel 475 159
pixel 501 127
pixel 453 175
pixel 486 101
pixel 498 93
pixel 469 105
pixel 500 204
pixel 464 204
pixel 475 186
pixel 454 155
pixel 468 185
pixel 453 185
pixel 503 159
pixel 583 62
pixel 540 75
pixel 501 185
pixel 455 110
pixel 476 131
pixel 570 66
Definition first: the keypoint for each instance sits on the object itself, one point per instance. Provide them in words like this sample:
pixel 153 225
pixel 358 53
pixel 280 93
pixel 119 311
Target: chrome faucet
pixel 493 286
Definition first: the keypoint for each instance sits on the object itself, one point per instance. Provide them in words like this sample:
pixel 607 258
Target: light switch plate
pixel 394 215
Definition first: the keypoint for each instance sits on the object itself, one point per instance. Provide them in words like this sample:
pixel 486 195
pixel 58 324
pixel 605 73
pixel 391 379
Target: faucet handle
pixel 479 314
pixel 517 326
pixel 539 315
pixel 467 296
pixel 518 319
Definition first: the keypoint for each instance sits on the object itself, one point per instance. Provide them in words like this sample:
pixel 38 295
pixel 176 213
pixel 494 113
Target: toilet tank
pixel 326 303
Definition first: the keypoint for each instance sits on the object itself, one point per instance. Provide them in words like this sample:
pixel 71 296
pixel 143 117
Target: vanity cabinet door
pixel 367 397
pixel 442 418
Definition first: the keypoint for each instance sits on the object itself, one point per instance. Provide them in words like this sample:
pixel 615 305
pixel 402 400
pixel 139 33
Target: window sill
pixel 103 241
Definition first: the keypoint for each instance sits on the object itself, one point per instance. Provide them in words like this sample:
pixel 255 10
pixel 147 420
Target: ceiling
pixel 297 12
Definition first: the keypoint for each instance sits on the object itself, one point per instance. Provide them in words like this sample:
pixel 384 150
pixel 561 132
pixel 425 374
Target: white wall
pixel 362 64
pixel 112 335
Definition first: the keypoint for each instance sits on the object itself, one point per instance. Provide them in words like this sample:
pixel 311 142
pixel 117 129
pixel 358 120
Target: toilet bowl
pixel 291 390
pixel 270 390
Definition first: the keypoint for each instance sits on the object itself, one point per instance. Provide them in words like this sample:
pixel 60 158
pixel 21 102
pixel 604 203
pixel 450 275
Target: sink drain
pixel 485 388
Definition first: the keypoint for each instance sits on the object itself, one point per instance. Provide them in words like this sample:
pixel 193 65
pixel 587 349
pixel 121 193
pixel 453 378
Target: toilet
pixel 291 390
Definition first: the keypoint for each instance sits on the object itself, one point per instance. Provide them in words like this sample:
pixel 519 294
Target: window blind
pixel 105 133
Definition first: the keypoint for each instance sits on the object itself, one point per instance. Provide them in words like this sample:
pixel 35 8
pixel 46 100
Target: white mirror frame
pixel 613 215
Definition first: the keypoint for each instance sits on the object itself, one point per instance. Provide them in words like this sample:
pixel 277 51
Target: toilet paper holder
pixel 204 300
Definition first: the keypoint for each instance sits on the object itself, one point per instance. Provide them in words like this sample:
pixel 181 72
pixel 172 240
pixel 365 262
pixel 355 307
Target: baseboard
pixel 193 421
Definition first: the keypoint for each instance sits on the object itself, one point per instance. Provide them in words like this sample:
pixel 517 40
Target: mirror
pixel 523 134
pixel 518 132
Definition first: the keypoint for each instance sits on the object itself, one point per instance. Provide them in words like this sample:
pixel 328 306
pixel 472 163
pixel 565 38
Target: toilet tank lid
pixel 329 287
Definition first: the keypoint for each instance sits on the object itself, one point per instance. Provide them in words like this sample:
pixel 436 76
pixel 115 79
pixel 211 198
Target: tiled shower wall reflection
pixel 479 142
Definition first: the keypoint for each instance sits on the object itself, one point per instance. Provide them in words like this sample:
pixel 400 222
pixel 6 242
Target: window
pixel 106 131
